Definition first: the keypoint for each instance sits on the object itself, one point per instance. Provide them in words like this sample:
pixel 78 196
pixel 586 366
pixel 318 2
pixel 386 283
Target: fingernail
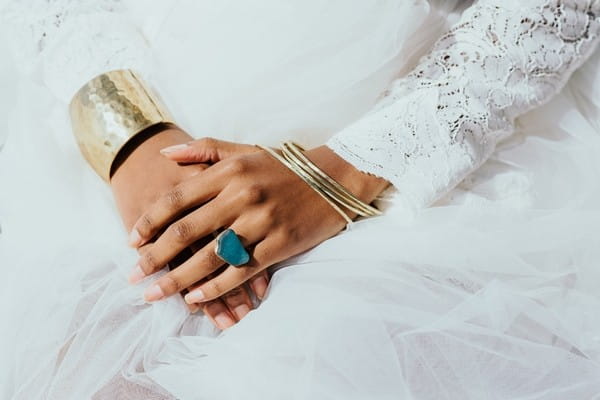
pixel 241 311
pixel 136 275
pixel 224 321
pixel 194 308
pixel 173 149
pixel 153 293
pixel 195 296
pixel 260 287
pixel 134 238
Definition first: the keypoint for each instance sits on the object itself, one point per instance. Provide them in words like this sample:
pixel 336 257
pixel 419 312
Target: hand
pixel 142 177
pixel 274 212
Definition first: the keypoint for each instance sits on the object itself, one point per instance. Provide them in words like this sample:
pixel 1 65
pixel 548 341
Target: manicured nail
pixel 224 321
pixel 134 238
pixel 153 293
pixel 241 311
pixel 195 296
pixel 173 149
pixel 194 308
pixel 260 287
pixel 136 275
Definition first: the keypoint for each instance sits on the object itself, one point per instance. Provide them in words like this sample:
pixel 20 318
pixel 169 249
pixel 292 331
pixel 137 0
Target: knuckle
pixel 171 284
pixel 207 142
pixel 148 262
pixel 211 259
pixel 253 194
pixel 290 234
pixel 146 226
pixel 174 198
pixel 182 231
pixel 213 288
pixel 269 214
pixel 237 166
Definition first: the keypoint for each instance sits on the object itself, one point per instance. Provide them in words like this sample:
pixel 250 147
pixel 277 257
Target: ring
pixel 230 249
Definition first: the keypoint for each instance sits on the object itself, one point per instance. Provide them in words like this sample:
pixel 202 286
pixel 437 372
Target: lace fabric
pixel 443 120
pixel 56 39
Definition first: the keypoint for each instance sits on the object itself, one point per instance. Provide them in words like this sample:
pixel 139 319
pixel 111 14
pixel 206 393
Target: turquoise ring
pixel 230 249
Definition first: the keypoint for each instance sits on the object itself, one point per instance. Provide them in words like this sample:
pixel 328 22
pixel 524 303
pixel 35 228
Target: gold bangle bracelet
pixel 108 111
pixel 324 188
pixel 342 194
pixel 293 153
pixel 334 194
pixel 310 182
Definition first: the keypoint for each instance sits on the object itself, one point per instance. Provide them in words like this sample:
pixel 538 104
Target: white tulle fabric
pixel 490 293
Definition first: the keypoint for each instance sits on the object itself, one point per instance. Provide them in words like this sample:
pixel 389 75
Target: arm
pixel 443 120
pixel 433 128
pixel 62 45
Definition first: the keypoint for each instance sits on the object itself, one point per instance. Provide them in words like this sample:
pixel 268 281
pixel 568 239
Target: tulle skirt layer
pixel 490 294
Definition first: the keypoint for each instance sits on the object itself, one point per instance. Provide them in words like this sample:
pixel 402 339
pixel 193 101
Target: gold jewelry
pixel 108 111
pixel 338 193
pixel 309 180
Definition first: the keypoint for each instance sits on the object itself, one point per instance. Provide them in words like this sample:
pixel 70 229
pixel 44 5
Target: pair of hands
pixel 173 194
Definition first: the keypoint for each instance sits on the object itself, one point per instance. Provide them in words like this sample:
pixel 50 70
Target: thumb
pixel 205 150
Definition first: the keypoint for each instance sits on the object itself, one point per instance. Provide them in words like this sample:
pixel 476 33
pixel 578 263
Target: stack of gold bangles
pixel 334 193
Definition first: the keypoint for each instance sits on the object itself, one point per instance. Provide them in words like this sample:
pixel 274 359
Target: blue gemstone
pixel 230 248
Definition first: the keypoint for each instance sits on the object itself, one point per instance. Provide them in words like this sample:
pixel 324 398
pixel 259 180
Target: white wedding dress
pixel 481 281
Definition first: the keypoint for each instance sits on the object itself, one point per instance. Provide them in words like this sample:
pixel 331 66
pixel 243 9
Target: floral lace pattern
pixel 443 120
pixel 74 38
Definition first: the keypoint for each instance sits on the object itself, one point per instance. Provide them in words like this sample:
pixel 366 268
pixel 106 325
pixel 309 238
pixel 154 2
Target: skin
pixel 275 214
pixel 141 179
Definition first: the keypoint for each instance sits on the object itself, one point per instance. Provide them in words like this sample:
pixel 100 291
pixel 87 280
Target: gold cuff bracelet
pixel 110 110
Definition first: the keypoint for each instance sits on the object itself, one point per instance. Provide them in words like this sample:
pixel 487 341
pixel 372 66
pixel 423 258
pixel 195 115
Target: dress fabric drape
pixel 490 293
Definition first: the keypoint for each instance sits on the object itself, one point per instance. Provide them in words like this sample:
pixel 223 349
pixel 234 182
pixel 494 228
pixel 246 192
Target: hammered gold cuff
pixel 108 112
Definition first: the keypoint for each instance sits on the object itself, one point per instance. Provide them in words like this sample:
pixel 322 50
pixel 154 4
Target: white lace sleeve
pixel 64 43
pixel 443 120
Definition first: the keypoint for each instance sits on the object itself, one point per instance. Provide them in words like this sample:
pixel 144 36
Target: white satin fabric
pixel 490 294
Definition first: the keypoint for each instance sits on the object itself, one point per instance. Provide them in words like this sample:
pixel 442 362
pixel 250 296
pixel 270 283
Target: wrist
pixel 144 174
pixel 144 151
pixel 363 185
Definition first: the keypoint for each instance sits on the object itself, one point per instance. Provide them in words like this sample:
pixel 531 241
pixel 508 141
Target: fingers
pixel 181 234
pixel 238 301
pixel 201 264
pixel 218 313
pixel 193 308
pixel 227 310
pixel 205 150
pixel 191 193
pixel 197 267
pixel 265 254
pixel 259 283
pixel 230 308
